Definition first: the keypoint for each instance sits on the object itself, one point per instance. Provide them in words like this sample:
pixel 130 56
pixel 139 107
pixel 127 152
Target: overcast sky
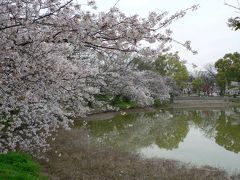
pixel 206 28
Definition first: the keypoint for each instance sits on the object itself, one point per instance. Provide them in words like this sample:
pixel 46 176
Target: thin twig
pixel 116 3
pixel 232 6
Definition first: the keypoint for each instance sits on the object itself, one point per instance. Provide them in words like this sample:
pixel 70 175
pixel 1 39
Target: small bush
pixel 103 97
pixel 123 103
pixel 157 103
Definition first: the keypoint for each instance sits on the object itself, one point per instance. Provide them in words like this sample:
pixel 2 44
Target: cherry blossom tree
pixel 234 22
pixel 143 87
pixel 52 59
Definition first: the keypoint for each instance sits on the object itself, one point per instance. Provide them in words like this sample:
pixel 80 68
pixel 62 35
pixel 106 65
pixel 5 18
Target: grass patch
pixel 19 166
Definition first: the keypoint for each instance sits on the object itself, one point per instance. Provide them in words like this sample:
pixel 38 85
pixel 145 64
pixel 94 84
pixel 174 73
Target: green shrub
pixel 103 97
pixel 123 103
pixel 157 103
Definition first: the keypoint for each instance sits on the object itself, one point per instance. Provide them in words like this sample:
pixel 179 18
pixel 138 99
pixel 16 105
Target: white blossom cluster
pixel 55 56
pixel 143 87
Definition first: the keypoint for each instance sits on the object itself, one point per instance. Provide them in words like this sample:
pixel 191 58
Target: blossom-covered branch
pixel 55 56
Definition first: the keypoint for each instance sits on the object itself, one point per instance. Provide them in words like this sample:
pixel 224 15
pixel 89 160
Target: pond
pixel 200 136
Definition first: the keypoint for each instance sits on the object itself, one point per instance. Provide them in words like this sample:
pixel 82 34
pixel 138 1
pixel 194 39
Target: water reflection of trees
pixel 205 120
pixel 168 135
pixel 167 129
pixel 134 131
pixel 228 132
pixel 221 125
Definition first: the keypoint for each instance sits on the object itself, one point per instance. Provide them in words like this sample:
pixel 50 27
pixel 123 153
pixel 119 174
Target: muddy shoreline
pixel 73 156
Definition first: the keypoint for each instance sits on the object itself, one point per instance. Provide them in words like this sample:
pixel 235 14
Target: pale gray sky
pixel 206 28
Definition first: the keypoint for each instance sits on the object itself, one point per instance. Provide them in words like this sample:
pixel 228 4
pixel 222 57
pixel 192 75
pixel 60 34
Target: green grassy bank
pixel 19 166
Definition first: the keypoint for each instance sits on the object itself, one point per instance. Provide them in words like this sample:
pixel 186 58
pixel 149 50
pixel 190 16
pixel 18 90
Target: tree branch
pixel 52 13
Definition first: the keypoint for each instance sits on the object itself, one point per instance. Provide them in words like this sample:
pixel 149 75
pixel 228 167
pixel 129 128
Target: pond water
pixel 200 137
